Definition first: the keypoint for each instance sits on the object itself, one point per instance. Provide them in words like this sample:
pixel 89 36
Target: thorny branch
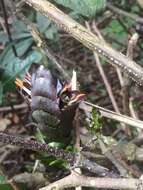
pixel 88 38
pixel 74 159
pixel 36 146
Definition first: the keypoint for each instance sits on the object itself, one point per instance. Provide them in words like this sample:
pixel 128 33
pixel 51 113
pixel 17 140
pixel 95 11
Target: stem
pixel 87 38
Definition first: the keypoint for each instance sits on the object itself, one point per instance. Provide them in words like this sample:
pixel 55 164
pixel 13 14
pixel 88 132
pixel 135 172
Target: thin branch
pixel 126 81
pixel 75 180
pixel 140 2
pixel 102 73
pixel 15 107
pixel 41 42
pixel 124 13
pixel 107 152
pixel 88 39
pixel 87 106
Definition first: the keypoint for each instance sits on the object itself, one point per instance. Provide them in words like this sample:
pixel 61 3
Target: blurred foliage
pixel 4 185
pixel 86 8
pixel 115 31
pixel 11 66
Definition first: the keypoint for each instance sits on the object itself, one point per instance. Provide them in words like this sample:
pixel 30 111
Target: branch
pixel 126 81
pixel 75 180
pixel 74 159
pixel 15 107
pixel 36 146
pixel 102 73
pixel 124 13
pixel 87 106
pixel 140 2
pixel 88 38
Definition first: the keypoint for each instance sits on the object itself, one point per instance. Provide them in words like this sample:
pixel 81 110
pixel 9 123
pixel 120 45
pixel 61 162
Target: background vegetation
pixel 116 28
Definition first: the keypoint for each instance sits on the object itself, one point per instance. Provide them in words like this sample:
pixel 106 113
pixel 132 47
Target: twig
pixel 50 55
pixel 124 13
pixel 132 110
pixel 75 180
pixel 112 158
pixel 87 106
pixel 88 39
pixel 77 130
pixel 41 43
pixel 126 81
pixel 16 107
pixel 102 73
pixel 140 2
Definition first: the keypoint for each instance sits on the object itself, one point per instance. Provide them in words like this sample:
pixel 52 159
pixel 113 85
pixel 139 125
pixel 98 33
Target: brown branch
pixel 124 13
pixel 140 2
pixel 126 81
pixel 40 41
pixel 88 39
pixel 15 107
pixel 107 152
pixel 75 180
pixel 36 146
pixel 102 73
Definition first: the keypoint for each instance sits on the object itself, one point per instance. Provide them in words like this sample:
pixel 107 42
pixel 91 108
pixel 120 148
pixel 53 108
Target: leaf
pixel 13 67
pixel 19 31
pixel 116 31
pixel 47 27
pixel 43 22
pixel 52 33
pixel 88 8
pixel 18 67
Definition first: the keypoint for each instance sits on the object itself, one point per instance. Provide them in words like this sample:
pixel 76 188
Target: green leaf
pixel 52 33
pixel 88 8
pixel 19 31
pixel 95 124
pixel 43 22
pixel 47 27
pixel 13 67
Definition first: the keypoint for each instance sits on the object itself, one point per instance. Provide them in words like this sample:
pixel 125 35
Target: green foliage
pixel 116 31
pixel 4 185
pixel 95 124
pixel 47 27
pixel 13 66
pixel 87 8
